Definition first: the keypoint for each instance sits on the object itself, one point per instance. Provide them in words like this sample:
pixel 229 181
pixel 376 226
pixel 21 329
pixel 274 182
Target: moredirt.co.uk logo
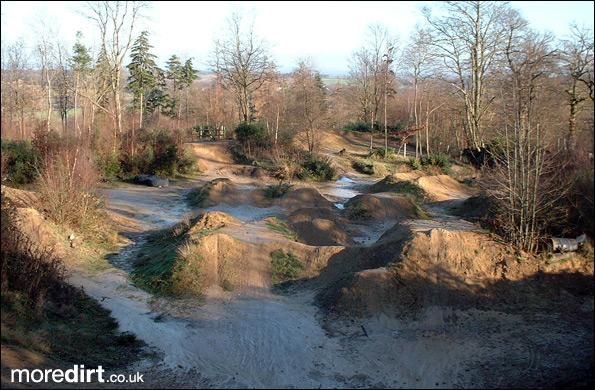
pixel 77 374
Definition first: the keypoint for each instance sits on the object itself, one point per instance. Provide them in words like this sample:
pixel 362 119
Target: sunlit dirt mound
pixel 443 187
pixel 20 198
pixel 214 250
pixel 211 220
pixel 303 197
pixel 379 207
pixel 211 155
pixel 32 223
pixel 434 188
pixel 436 267
pixel 224 260
pixel 319 226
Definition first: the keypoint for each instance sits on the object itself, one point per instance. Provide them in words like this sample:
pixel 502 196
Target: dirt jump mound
pixel 221 190
pixel 319 226
pixel 304 197
pixel 434 188
pixel 435 267
pixel 379 207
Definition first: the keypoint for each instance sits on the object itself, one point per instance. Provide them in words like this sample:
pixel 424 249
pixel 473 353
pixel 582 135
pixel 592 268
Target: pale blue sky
pixel 328 32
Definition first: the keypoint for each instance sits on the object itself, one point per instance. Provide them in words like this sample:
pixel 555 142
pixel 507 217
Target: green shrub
pixel 317 168
pixel 285 266
pixel 381 153
pixel 357 126
pixel 20 162
pixel 414 164
pixel 276 190
pixel 158 153
pixel 250 132
pixel 440 160
pixel 109 167
pixel 363 167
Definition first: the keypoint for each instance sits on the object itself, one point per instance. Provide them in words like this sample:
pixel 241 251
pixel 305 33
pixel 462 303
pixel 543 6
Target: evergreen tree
pixel 175 72
pixel 189 74
pixel 81 65
pixel 143 72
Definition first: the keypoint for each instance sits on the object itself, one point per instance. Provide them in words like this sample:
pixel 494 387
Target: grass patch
pixel 276 190
pixel 279 226
pixel 390 184
pixel 165 254
pixel 285 266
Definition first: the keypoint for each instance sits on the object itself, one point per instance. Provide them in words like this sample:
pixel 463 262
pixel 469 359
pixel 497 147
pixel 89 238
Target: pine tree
pixel 80 63
pixel 189 74
pixel 175 73
pixel 143 72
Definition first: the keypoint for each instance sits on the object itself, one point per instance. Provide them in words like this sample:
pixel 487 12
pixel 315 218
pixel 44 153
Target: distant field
pixel 329 82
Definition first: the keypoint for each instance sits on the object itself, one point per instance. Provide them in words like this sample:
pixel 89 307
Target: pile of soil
pixel 211 221
pixel 379 207
pixel 224 260
pixel 443 187
pixel 20 198
pixel 441 267
pixel 303 197
pixel 435 188
pixel 319 226
pixel 211 155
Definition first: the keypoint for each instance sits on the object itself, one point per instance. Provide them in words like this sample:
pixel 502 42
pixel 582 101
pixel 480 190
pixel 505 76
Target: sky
pixel 325 32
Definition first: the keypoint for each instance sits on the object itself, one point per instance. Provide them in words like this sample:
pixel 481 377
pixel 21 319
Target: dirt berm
pixel 435 267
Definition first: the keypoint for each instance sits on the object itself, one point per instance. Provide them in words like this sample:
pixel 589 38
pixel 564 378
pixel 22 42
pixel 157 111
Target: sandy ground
pixel 266 340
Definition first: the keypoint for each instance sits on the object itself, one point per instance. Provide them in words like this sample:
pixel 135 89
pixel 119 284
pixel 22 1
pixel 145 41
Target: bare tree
pixel 309 106
pixel 577 57
pixel 116 22
pixel 17 96
pixel 368 74
pixel 47 57
pixel 417 59
pixel 242 62
pixel 525 184
pixel 467 39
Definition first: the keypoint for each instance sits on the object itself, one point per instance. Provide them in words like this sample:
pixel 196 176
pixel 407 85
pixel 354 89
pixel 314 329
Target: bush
pixel 67 191
pixel 109 167
pixel 440 160
pixel 158 153
pixel 317 168
pixel 414 164
pixel 276 190
pixel 20 162
pixel 357 126
pixel 251 135
pixel 360 126
pixel 363 167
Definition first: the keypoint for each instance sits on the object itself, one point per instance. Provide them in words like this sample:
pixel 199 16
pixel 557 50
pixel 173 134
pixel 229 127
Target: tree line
pixel 473 79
